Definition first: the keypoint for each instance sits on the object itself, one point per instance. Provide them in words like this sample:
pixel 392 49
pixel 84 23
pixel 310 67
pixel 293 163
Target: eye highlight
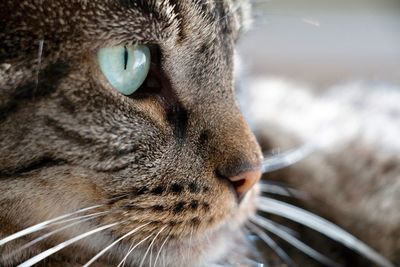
pixel 125 67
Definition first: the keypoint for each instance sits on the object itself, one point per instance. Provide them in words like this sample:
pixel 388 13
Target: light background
pixel 322 42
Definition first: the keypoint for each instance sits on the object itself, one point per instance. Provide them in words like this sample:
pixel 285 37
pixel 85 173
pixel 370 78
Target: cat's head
pixel 173 158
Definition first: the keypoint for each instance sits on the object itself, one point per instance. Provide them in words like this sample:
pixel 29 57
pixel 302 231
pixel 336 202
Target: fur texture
pixel 353 175
pixel 68 140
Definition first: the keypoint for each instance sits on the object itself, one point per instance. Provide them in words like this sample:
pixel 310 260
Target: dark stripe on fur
pixel 48 82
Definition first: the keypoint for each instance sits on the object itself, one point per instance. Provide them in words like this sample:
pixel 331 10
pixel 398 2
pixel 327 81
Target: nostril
pixel 238 183
pixel 243 181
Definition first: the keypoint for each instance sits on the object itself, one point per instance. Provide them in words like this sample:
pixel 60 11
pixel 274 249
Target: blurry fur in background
pixel 325 76
pixel 352 175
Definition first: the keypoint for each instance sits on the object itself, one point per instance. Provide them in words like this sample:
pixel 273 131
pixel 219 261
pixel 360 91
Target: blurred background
pixel 327 73
pixel 325 41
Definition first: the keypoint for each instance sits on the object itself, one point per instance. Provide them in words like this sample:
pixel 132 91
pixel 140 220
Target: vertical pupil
pixel 125 57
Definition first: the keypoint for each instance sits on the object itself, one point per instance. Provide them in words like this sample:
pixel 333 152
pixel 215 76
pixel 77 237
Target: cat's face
pixel 159 159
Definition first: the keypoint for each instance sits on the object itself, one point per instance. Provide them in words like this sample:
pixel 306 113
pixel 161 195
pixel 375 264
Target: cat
pixel 97 173
pixel 176 161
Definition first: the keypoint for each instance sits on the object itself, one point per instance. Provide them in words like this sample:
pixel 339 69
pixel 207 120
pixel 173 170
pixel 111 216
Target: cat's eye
pixel 125 67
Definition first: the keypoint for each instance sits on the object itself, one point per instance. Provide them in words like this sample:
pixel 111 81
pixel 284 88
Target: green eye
pixel 125 67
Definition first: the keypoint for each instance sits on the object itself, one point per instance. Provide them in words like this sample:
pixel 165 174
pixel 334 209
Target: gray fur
pixel 75 141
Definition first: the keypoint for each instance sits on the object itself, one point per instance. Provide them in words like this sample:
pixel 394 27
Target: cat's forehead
pixel 69 27
pixel 179 17
pixel 196 37
pixel 134 20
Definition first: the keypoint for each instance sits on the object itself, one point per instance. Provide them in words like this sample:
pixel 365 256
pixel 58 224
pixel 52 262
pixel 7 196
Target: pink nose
pixel 240 176
pixel 244 181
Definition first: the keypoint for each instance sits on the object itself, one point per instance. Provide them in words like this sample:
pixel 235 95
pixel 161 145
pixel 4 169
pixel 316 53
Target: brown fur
pixel 68 140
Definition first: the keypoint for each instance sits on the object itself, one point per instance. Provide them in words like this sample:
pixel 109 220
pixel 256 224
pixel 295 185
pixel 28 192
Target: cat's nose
pixel 242 180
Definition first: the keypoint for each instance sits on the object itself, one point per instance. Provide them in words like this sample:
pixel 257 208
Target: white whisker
pixel 286 159
pixel 281 190
pixel 321 225
pixel 151 244
pixel 267 225
pixel 97 214
pixel 40 53
pixel 272 244
pixel 35 241
pixel 159 251
pixel 57 248
pixel 130 247
pixel 251 263
pixel 113 244
pixel 42 225
pixel 286 229
pixel 190 242
pixel 133 248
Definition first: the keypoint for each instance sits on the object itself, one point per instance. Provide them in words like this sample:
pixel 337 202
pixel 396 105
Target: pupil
pixel 125 57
